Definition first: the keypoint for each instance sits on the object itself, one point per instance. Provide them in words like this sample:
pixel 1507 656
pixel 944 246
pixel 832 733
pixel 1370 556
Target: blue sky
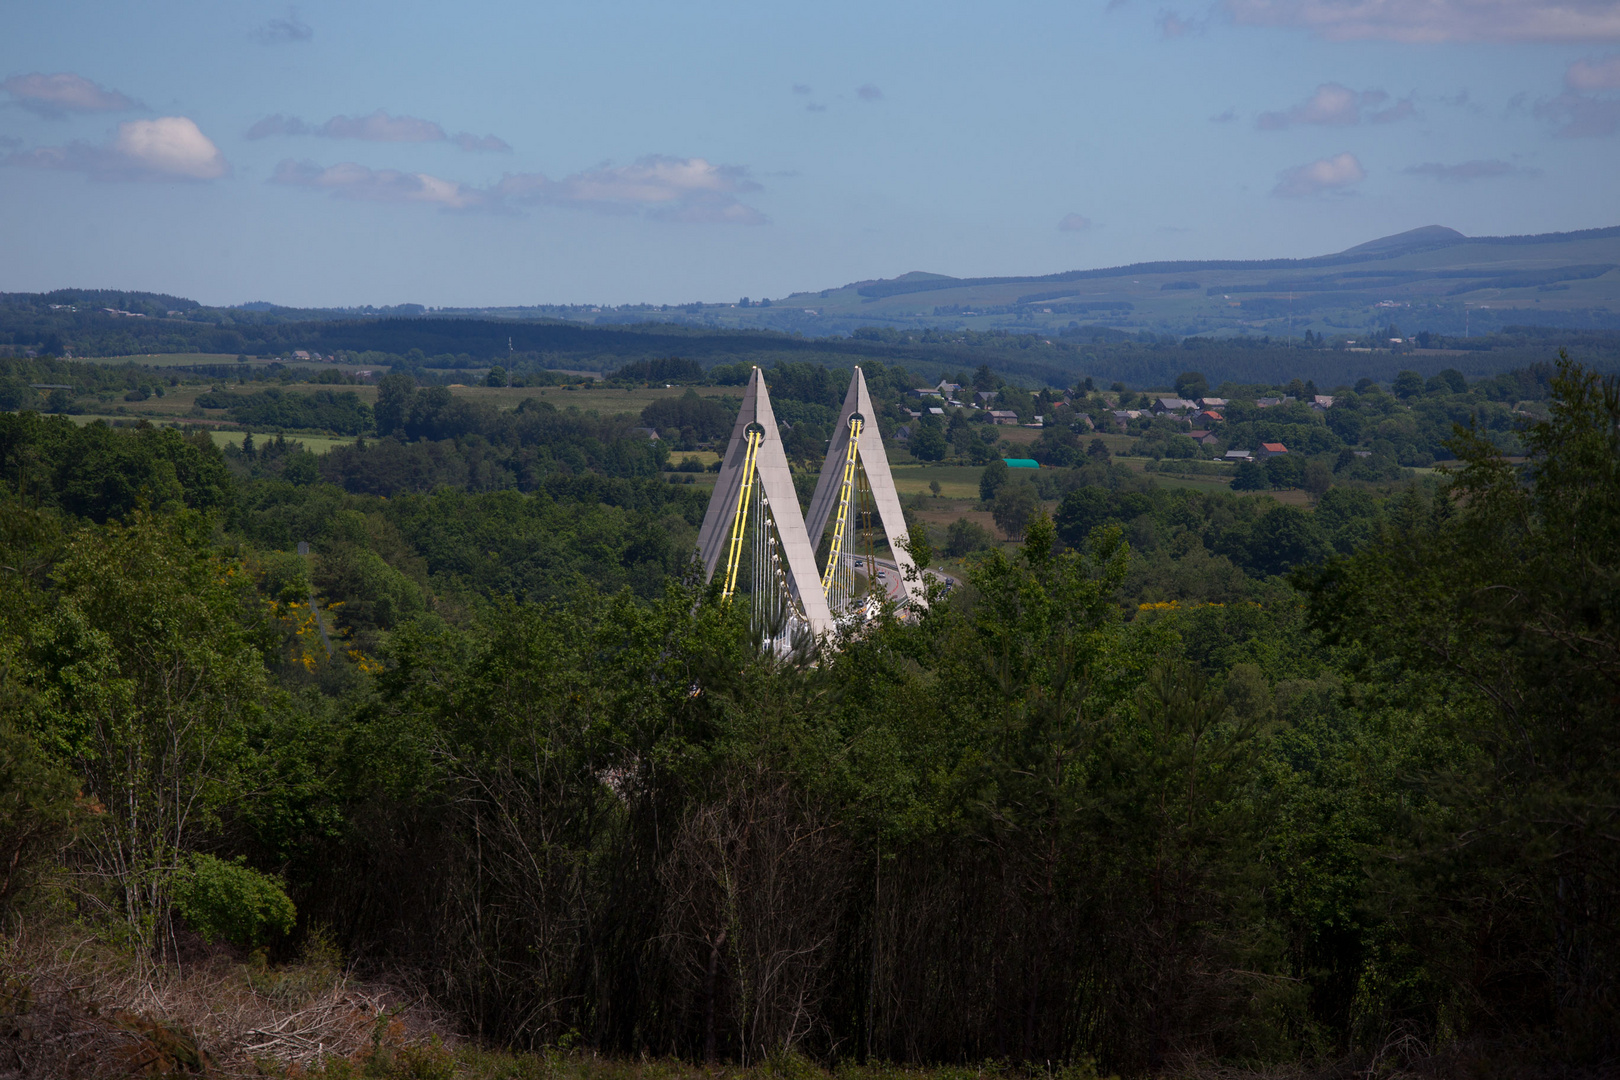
pixel 615 152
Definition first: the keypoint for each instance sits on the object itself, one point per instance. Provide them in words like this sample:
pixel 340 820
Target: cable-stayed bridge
pixel 756 539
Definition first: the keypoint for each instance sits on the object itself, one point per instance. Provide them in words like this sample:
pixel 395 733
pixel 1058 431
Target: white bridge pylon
pixel 833 498
pixel 755 469
pixel 756 483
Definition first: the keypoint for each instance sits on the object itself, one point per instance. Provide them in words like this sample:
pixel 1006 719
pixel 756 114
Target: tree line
pixel 1077 809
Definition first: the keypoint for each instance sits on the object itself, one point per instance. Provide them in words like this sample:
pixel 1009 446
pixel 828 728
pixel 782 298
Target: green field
pixel 315 444
pixel 169 359
pixel 955 481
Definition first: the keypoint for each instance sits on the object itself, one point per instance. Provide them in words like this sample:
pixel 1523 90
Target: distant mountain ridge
pixel 1426 238
pixel 1430 278
pixel 1433 277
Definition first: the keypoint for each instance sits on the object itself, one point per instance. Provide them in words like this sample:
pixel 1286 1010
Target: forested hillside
pixel 85 323
pixel 1173 779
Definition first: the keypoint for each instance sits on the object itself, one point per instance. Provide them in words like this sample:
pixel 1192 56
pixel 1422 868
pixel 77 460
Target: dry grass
pixel 73 1006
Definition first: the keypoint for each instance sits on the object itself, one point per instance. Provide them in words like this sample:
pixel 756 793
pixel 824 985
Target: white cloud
pixel 1399 111
pixel 1594 73
pixel 659 187
pixel 1430 21
pixel 481 143
pixel 671 188
pixel 868 92
pixel 170 146
pixel 1172 25
pixel 1469 170
pixel 279 125
pixel 1336 105
pixel 1462 100
pixel 167 148
pixel 1581 115
pixel 351 181
pixel 54 96
pixel 380 127
pixel 286 31
pixel 800 88
pixel 376 127
pixel 1335 173
pixel 1074 223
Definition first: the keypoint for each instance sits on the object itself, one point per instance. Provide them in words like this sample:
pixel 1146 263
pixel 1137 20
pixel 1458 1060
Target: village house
pixel 1003 416
pixel 1212 403
pixel 1272 449
pixel 1239 455
pixel 1203 438
pixel 1322 401
pixel 1208 416
pixel 1164 405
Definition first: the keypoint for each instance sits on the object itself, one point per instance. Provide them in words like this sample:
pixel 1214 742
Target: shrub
pixel 231 901
pixel 964 537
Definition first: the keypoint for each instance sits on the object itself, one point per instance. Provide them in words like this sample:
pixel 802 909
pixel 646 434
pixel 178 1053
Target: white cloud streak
pixel 1336 105
pixel 1488 169
pixel 1172 25
pixel 54 96
pixel 1337 173
pixel 1580 116
pixel 288 31
pixel 377 127
pixel 1594 73
pixel 1420 22
pixel 667 188
pixel 657 187
pixel 351 181
pixel 167 148
pixel 1074 223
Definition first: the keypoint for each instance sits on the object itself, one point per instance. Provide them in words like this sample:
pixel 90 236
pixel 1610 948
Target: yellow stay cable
pixel 836 553
pixel 735 555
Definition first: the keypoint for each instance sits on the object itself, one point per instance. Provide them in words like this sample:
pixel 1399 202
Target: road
pixel 891 578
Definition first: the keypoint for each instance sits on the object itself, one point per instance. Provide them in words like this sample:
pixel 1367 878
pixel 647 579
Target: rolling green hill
pixel 1434 276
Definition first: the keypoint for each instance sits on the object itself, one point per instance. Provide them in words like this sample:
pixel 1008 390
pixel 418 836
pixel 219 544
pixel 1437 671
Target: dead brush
pixel 71 1006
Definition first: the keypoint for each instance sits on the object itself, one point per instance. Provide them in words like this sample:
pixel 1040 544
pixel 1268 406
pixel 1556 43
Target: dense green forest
pixel 98 323
pixel 1175 777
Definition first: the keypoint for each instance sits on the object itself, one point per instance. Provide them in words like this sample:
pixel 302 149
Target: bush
pixel 928 442
pixel 964 537
pixel 231 901
pixel 37 811
pixel 1015 504
pixel 1250 477
pixel 994 475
